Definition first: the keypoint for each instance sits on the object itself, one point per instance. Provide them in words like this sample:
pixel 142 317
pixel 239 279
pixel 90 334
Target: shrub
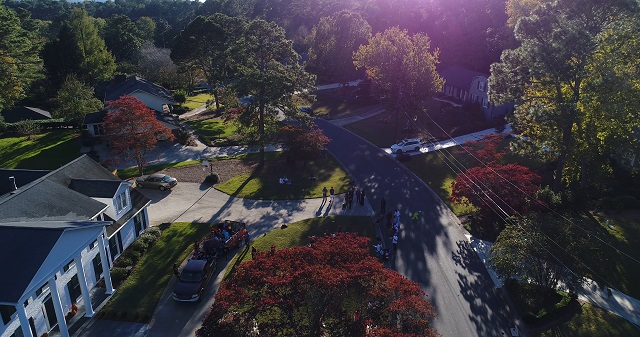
pixel 118 274
pixel 123 261
pixel 185 137
pixel 212 179
pixel 180 96
pixel 133 255
pixel 147 238
pixel 155 231
pixel 139 246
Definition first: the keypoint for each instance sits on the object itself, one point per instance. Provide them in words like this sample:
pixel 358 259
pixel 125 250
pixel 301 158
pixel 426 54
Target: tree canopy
pixel 206 44
pixel 20 62
pixel 331 287
pixel 75 100
pixel 79 50
pixel 552 76
pixel 268 71
pixel 131 129
pixel 334 40
pixel 402 68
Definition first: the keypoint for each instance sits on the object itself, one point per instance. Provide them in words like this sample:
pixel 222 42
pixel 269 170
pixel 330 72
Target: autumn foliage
pixel 303 144
pixel 494 187
pixel 131 129
pixel 332 288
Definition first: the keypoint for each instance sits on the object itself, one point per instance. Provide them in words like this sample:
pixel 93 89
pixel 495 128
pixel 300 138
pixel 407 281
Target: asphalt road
pixel 432 251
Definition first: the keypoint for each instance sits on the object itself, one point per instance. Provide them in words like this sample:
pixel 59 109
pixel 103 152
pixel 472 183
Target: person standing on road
pixel 362 195
pixel 324 194
pixel 332 193
pixel 394 241
pixel 415 216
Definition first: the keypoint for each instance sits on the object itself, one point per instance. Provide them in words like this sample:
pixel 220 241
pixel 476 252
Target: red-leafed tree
pixel 333 288
pixel 131 129
pixel 499 188
pixel 303 144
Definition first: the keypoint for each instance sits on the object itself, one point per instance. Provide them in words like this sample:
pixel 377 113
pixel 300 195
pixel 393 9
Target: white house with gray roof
pixel 78 215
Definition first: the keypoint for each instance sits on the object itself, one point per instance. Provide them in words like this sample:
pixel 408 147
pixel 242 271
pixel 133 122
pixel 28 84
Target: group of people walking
pixel 353 194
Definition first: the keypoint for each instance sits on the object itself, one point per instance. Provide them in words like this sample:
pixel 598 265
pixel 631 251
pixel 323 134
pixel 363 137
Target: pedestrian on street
pixel 394 241
pixel 362 197
pixel 415 216
pixel 324 194
pixel 357 190
pixel 332 193
pixel 383 205
pixel 176 271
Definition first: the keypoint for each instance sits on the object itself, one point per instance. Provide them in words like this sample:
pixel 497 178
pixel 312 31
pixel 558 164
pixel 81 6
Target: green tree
pixel 269 71
pixel 402 69
pixel 79 50
pixel 547 75
pixel 335 39
pixel 146 28
pixel 20 63
pixel 205 43
pixel 123 39
pixel 75 100
pixel 547 250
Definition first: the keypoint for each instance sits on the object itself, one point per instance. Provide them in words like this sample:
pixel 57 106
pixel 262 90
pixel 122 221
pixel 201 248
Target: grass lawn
pixel 216 131
pixel 297 234
pixel 140 292
pixel 591 321
pixel 264 183
pixel 133 171
pixel 196 101
pixel 623 233
pixel 46 151
pixel 334 106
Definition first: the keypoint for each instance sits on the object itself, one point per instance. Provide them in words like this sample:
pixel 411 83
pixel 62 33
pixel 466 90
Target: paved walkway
pixel 618 303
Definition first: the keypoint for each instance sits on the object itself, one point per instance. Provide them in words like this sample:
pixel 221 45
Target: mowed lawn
pixel 140 292
pixel 216 131
pixel 197 100
pixel 591 321
pixel 264 183
pixel 297 234
pixel 46 151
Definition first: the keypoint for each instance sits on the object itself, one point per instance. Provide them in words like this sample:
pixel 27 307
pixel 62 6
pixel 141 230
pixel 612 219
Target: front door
pixel 50 312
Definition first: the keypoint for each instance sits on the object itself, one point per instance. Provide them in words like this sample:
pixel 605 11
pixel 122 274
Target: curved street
pixel 432 250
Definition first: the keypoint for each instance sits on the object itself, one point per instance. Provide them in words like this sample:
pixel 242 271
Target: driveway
pixel 196 202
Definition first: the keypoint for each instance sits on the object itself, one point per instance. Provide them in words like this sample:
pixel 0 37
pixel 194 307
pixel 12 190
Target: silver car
pixel 157 180
pixel 406 145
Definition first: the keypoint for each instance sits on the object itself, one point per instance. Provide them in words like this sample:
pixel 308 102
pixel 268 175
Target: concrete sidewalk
pixel 616 302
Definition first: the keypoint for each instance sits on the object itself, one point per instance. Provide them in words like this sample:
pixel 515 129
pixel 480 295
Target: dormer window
pixel 122 201
pixel 482 86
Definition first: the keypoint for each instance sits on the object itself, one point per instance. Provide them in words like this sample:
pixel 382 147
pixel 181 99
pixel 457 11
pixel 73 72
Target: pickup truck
pixel 196 274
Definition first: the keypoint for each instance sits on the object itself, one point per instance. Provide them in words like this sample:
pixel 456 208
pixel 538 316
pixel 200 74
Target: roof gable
pixel 28 247
pixel 41 248
pixel 136 84
pixel 23 113
pixel 460 77
pixel 96 188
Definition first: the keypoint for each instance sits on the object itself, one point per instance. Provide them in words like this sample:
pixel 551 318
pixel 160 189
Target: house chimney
pixel 12 179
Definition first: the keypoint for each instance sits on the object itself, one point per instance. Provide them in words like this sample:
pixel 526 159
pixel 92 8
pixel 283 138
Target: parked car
pixel 193 278
pixel 307 110
pixel 406 145
pixel 157 180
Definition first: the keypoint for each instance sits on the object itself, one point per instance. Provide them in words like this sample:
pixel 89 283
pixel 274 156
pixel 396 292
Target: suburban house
pixel 156 97
pixel 152 95
pixel 25 113
pixel 61 231
pixel 472 86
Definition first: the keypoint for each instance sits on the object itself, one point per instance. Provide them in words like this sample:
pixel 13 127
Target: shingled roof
pixel 23 113
pixel 20 178
pixel 134 84
pixel 51 198
pixel 459 77
pixel 27 245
